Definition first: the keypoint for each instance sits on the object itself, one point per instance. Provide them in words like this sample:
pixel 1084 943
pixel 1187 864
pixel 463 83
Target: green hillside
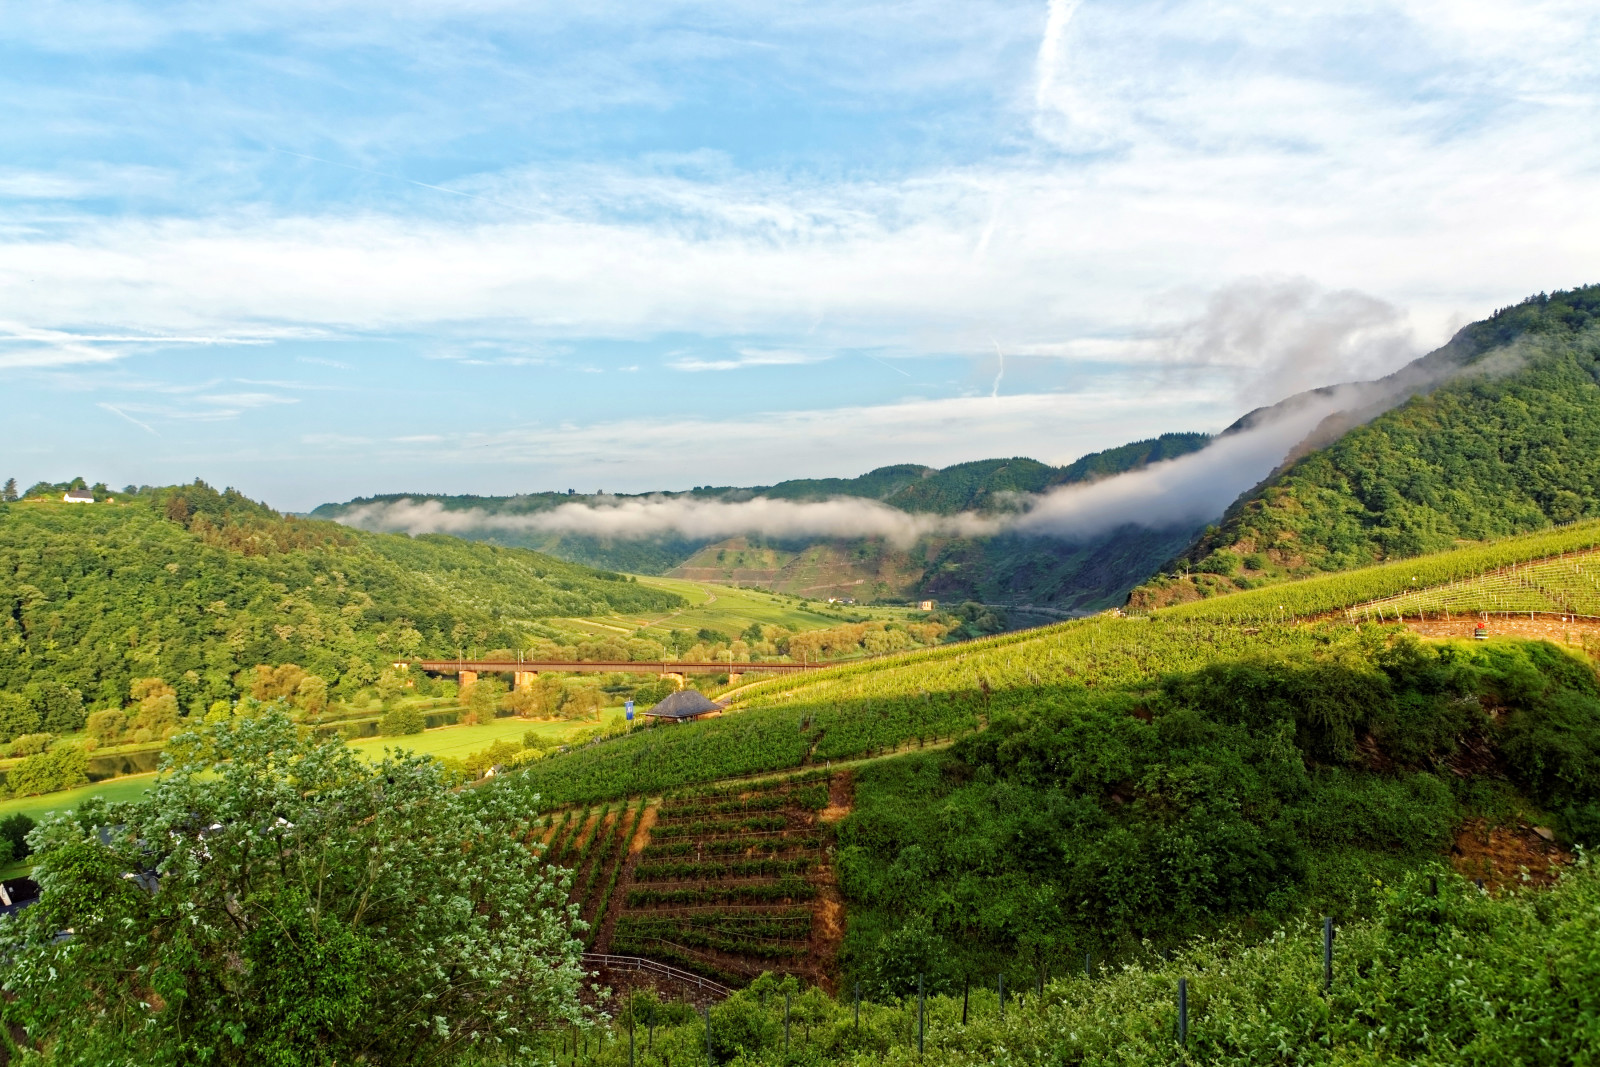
pixel 192 586
pixel 1512 444
pixel 1064 576
pixel 1538 571
pixel 1441 974
pixel 1117 782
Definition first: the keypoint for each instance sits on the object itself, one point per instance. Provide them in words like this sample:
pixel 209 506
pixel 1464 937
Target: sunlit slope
pixel 1554 570
pixel 1507 443
pixel 878 705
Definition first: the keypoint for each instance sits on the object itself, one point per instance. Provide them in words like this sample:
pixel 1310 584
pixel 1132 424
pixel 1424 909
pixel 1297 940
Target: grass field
pixel 456 742
pixel 731 610
pixel 453 742
pixel 129 788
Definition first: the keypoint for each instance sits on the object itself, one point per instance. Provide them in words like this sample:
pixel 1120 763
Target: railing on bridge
pixel 511 666
pixel 639 963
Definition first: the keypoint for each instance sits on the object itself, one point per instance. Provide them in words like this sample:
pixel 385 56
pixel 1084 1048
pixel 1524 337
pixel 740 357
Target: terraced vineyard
pixel 1565 585
pixel 1461 567
pixel 884 705
pixel 730 881
pixel 594 842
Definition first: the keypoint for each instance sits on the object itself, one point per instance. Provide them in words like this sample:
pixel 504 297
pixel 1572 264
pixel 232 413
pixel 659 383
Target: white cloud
pixel 750 357
pixel 760 447
pixel 686 517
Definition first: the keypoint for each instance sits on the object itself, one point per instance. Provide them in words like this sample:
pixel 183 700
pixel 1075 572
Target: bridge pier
pixel 465 680
pixel 523 680
pixel 677 679
pixel 734 676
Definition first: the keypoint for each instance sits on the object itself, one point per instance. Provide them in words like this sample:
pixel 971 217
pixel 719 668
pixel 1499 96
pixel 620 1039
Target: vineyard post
pixel 1002 988
pixel 966 992
pixel 1183 1011
pixel 922 1003
pixel 786 1023
pixel 706 1011
pixel 630 1038
pixel 858 1007
pixel 1327 953
pixel 1087 958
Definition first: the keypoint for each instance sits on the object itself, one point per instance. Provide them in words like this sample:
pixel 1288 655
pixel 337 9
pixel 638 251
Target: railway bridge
pixel 523 672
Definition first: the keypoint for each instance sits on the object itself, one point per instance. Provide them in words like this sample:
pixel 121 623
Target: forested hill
pixel 1510 445
pixel 973 486
pixel 1012 570
pixel 193 586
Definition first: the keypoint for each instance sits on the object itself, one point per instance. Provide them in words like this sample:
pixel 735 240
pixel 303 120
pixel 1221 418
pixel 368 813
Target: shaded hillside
pixel 1066 575
pixel 192 586
pixel 1512 444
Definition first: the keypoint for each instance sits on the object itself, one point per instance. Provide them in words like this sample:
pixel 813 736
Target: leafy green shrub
pixel 62 767
pixel 31 744
pixel 106 727
pixel 1453 979
pixel 399 721
pixel 427 917
pixel 14 835
pixel 1219 562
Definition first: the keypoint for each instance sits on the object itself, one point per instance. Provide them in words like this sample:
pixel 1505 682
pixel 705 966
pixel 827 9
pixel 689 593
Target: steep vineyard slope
pixel 1498 576
pixel 1024 800
pixel 1511 444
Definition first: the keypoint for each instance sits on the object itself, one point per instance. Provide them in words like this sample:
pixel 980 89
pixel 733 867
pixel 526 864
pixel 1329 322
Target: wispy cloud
pixel 24 345
pixel 750 357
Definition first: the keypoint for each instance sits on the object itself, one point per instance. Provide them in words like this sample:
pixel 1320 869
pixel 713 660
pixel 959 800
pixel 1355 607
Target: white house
pixel 78 496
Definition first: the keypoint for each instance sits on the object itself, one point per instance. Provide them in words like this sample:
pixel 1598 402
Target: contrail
pixel 130 418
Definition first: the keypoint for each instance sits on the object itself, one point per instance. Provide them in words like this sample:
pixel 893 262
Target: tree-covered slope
pixel 1510 444
pixel 1076 575
pixel 192 586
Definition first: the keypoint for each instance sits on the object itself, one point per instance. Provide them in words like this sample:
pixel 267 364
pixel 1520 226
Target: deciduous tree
pixel 293 905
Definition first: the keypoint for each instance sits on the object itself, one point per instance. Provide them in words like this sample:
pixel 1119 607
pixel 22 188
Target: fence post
pixel 1327 953
pixel 858 1007
pixel 630 1038
pixel 786 1022
pixel 1087 957
pixel 1183 1011
pixel 922 1013
pixel 966 992
pixel 1002 987
pixel 706 1011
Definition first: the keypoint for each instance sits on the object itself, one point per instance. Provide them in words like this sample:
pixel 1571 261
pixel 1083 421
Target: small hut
pixel 685 705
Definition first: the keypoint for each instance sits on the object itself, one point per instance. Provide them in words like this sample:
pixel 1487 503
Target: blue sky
pixel 317 250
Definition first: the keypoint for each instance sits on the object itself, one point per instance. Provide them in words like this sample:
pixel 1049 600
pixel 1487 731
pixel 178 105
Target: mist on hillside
pixel 1287 332
pixel 1186 491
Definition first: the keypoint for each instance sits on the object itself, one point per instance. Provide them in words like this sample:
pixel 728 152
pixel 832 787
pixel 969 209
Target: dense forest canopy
pixel 1511 444
pixel 192 586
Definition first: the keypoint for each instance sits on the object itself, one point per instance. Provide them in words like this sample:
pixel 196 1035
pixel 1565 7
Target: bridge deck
pixel 452 666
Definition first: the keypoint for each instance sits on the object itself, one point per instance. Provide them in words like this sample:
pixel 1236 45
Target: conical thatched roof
pixel 684 704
